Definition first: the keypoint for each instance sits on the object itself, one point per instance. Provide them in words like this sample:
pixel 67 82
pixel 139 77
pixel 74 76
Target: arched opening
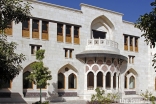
pixel 26 83
pixel 72 81
pixel 114 81
pixel 132 82
pixel 99 79
pixel 61 81
pixel 108 80
pixel 119 81
pixel 125 82
pixel 90 81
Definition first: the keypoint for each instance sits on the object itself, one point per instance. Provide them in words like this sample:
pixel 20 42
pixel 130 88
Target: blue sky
pixel 131 9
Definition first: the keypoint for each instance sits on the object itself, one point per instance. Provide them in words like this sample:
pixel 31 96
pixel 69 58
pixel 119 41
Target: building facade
pixel 84 50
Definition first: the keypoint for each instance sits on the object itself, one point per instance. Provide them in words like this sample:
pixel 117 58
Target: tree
pixel 11 10
pixel 40 74
pixel 147 24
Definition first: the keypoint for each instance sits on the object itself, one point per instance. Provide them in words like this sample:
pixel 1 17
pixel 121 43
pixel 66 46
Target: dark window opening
pixel 35 25
pixel 125 40
pixel 59 29
pixel 100 79
pixel 108 80
pixel 72 81
pixel 114 81
pixel 26 83
pixel 90 81
pixel 25 25
pixel 32 49
pixel 44 26
pixel 61 81
pixel 68 30
pixel 131 41
pixel 76 32
pixel 99 34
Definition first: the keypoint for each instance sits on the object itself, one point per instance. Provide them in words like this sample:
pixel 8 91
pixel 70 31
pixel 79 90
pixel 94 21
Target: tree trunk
pixel 40 96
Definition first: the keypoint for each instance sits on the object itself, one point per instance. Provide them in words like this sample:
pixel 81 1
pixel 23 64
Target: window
pixel 76 32
pixel 35 26
pixel 125 81
pixel 108 80
pixel 72 81
pixel 131 82
pixel 25 28
pixel 26 83
pixel 35 48
pixel 100 79
pixel 61 80
pixel 44 27
pixel 60 32
pixel 114 80
pixel 59 29
pixel 90 81
pixel 69 52
pixel 133 42
pixel 68 30
pixel 131 59
pixel 8 30
pixel 5 84
pixel 99 34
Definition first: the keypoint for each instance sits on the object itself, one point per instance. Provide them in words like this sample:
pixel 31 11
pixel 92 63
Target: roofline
pixel 54 5
pixel 132 23
pixel 82 4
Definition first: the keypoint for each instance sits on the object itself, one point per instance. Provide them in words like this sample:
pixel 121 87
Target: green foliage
pixel 9 60
pixel 40 55
pixel 148 96
pixel 39 74
pixel 101 98
pixel 45 102
pixel 147 24
pixel 13 10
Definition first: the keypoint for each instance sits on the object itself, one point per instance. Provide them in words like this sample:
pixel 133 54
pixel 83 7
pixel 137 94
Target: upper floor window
pixel 35 48
pixel 35 25
pixel 8 30
pixel 59 29
pixel 76 32
pixel 99 34
pixel 68 30
pixel 25 25
pixel 44 27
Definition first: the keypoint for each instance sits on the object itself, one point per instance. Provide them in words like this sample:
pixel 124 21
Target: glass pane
pixel 99 34
pixel 60 81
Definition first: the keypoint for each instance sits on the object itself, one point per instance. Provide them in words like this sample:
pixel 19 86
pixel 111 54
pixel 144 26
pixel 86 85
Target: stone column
pixel 30 28
pixel 117 82
pixel 40 29
pixel 128 38
pixel 95 82
pixel 66 82
pixel 104 85
pixel 85 83
pixel 111 83
pixel 64 33
pixel 72 34
pixel 127 82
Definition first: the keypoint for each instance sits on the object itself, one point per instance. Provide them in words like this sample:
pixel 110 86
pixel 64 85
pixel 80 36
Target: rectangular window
pixel 38 47
pixel 8 30
pixel 35 26
pixel 44 27
pixel 125 42
pixel 76 32
pixel 35 29
pixel 32 49
pixel 60 32
pixel 25 28
pixel 59 29
pixel 66 53
pixel 131 43
pixel 68 30
pixel 131 59
pixel 136 44
pixel 45 30
pixel 70 53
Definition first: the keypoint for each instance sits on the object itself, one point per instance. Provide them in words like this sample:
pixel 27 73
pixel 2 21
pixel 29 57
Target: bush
pixel 38 102
pixel 101 98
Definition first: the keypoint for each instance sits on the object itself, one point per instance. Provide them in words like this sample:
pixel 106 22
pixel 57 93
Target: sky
pixel 131 9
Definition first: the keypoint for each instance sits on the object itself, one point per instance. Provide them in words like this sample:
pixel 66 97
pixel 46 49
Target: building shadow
pixel 6 96
pixel 54 96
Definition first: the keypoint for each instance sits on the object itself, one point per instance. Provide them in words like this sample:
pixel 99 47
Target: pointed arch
pixel 72 81
pixel 90 80
pixel 61 81
pixel 69 66
pixel 26 83
pixel 99 79
pixel 108 80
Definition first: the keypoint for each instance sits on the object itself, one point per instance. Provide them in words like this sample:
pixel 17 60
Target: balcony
pixel 102 45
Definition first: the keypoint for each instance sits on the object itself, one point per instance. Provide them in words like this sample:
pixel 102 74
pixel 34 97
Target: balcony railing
pixel 102 44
